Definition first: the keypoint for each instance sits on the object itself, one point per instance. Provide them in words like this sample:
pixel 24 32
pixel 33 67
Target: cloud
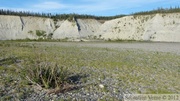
pixel 81 6
pixel 90 6
pixel 99 7
pixel 46 6
pixel 49 5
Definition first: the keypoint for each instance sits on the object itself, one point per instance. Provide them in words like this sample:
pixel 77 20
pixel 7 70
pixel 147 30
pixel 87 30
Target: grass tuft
pixel 46 75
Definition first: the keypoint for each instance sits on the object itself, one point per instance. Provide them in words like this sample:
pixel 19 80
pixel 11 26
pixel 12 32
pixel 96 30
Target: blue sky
pixel 92 7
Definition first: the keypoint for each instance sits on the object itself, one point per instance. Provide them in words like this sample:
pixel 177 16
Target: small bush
pixel 173 22
pixel 47 75
pixel 8 61
pixel 30 32
pixel 50 36
pixel 100 36
pixel 40 33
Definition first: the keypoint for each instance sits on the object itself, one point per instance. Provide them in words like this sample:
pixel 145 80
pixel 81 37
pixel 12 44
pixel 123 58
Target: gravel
pixel 96 87
pixel 91 91
pixel 172 47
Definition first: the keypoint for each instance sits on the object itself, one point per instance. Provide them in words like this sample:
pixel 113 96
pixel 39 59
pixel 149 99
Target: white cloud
pixel 105 5
pixel 49 6
pixel 123 6
pixel 89 6
pixel 86 7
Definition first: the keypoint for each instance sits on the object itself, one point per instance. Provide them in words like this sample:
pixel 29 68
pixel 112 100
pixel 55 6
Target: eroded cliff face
pixel 16 27
pixel 76 29
pixel 10 29
pixel 88 27
pixel 157 27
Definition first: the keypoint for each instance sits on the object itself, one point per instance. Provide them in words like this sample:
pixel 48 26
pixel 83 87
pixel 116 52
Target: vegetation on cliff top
pixel 84 16
pixel 159 10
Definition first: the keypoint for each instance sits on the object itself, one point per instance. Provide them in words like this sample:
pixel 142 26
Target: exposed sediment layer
pixel 155 27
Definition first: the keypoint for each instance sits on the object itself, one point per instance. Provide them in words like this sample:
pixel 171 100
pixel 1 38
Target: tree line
pixel 57 16
pixel 84 16
pixel 159 10
pixel 23 13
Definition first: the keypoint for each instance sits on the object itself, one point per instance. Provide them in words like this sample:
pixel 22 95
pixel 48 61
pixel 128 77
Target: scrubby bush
pixel 40 33
pixel 30 32
pixel 50 36
pixel 47 75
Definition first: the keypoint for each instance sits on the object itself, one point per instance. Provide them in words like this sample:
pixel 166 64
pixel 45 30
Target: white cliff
pixel 155 27
pixel 15 27
pixel 88 27
pixel 66 29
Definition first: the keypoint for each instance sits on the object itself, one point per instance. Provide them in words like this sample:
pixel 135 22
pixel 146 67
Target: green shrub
pixel 70 18
pixel 173 22
pixel 30 32
pixel 47 75
pixel 50 36
pixel 40 33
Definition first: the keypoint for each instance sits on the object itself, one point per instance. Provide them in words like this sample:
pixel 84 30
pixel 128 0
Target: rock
pixel 101 85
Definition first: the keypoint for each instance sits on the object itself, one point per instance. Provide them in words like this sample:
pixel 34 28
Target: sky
pixel 91 7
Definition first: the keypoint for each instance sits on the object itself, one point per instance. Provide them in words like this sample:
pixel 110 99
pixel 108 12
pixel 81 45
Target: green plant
pixel 70 18
pixel 50 36
pixel 173 22
pixel 9 60
pixel 30 32
pixel 40 33
pixel 115 27
pixel 95 37
pixel 46 75
pixel 100 36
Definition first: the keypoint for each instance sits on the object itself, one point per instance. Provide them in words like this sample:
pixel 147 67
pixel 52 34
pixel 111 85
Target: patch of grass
pixel 46 75
pixel 123 40
pixel 7 61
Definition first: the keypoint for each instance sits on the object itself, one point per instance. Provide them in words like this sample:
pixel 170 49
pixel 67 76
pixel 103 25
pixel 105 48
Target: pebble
pixel 101 85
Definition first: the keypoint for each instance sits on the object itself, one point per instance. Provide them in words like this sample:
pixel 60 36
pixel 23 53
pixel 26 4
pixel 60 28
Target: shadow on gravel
pixel 73 84
pixel 75 79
